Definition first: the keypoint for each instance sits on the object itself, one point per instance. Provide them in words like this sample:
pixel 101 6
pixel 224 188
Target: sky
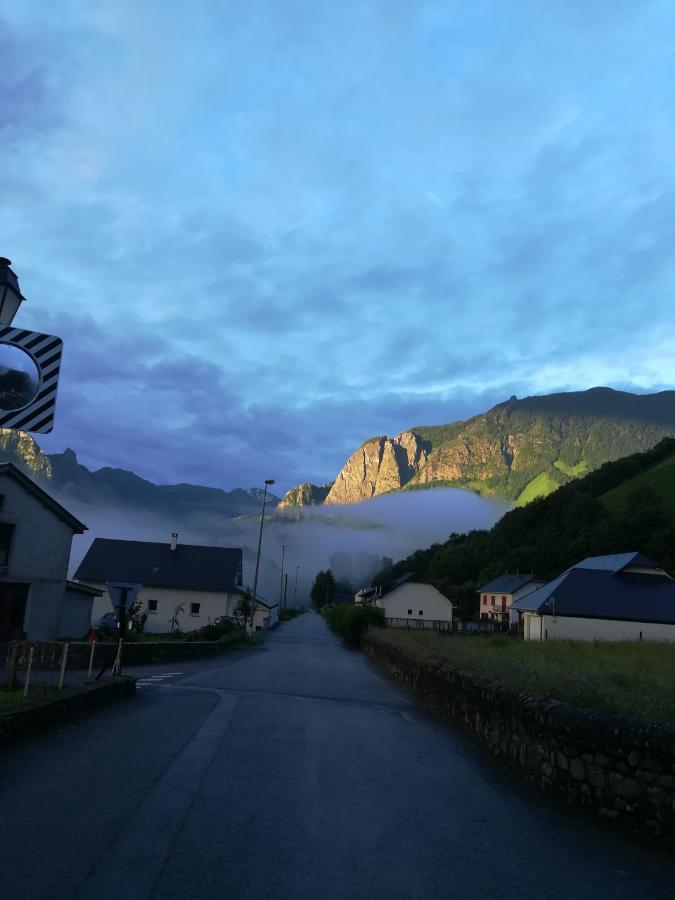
pixel 269 230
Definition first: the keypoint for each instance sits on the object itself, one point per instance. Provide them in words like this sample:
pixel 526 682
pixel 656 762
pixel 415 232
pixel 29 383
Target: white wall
pixel 578 629
pixel 211 606
pixel 416 597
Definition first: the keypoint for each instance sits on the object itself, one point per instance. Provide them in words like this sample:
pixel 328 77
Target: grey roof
pixel 595 593
pixel 398 582
pixel 46 499
pixel 266 603
pixel 83 588
pixel 615 562
pixel 188 567
pixel 507 584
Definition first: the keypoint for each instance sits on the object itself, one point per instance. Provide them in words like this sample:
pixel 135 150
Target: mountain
pixel 305 494
pixel 62 475
pixel 518 450
pixel 622 506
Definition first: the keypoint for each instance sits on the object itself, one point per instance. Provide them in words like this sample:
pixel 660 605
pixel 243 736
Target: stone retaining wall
pixel 66 705
pixel 622 768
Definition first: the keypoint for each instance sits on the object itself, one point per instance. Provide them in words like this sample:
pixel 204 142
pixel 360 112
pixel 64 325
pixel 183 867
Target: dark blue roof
pixel 189 566
pixel 597 594
pixel 507 584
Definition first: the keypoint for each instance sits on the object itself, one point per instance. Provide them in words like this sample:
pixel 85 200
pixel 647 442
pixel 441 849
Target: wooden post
pixel 28 671
pixel 64 660
pixel 91 660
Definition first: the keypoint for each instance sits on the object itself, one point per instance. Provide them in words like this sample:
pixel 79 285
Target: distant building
pixel 498 595
pixel 367 596
pixel 197 584
pixel 413 604
pixel 36 534
pixel 622 597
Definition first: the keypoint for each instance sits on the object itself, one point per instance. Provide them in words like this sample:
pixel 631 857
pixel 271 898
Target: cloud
pixel 266 236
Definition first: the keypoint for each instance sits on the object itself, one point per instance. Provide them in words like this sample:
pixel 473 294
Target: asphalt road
pixel 295 770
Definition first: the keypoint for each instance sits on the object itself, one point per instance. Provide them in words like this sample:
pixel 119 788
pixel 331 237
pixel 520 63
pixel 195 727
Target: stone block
pixel 578 769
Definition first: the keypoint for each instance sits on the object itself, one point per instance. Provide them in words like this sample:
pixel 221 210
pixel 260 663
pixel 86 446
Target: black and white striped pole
pixel 29 364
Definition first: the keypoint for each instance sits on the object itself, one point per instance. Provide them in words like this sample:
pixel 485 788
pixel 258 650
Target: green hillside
pixel 660 478
pixel 624 505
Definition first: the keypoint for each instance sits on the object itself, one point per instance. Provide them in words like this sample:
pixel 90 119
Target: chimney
pixel 174 540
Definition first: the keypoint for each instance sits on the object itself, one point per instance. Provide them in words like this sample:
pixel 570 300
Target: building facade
pixel 413 604
pixel 36 534
pixel 498 595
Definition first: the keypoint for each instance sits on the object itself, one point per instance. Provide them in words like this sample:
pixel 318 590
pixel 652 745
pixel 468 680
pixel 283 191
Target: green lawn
pixel 631 678
pixel 577 471
pixel 660 477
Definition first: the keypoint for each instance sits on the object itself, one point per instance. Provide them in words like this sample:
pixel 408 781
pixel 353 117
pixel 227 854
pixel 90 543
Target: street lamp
pixel 268 482
pixel 295 590
pixel 10 294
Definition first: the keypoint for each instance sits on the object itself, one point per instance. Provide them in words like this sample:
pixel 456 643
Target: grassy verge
pixel 630 678
pixel 12 700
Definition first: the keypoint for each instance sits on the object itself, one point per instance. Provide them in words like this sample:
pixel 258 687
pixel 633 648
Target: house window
pixel 194 609
pixel 484 599
pixel 6 532
pixel 421 612
pixel 503 602
pixel 152 606
pixel 493 599
pixel 410 612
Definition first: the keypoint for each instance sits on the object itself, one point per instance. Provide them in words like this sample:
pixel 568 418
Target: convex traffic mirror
pixel 19 378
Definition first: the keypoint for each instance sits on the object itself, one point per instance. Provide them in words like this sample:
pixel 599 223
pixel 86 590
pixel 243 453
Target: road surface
pixel 296 770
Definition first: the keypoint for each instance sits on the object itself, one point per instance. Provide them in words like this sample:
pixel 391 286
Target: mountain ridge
pixel 63 475
pixel 518 450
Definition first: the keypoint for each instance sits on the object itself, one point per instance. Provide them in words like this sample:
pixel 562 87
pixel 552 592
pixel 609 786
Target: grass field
pixel 630 678
pixel 660 477
pixel 541 486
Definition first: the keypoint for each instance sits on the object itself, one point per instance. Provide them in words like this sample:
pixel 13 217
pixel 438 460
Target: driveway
pixel 295 770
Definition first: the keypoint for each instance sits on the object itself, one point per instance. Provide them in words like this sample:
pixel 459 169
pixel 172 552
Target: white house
pixel 36 534
pixel 622 597
pixel 497 596
pixel 190 584
pixel 412 604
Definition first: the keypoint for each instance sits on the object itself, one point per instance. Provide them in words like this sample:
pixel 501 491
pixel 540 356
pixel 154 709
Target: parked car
pixel 109 620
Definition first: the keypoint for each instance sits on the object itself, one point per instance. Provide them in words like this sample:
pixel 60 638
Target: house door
pixel 12 608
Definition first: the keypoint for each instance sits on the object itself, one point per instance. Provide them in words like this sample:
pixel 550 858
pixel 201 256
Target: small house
pixel 184 586
pixel 621 597
pixel 498 595
pixel 413 604
pixel 36 533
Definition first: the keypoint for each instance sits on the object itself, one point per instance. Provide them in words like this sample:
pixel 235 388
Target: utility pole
pixel 281 585
pixel 268 481
pixel 295 590
pixel 285 589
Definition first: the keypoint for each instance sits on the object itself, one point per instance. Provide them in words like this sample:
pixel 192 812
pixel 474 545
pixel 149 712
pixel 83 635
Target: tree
pixel 323 589
pixel 243 609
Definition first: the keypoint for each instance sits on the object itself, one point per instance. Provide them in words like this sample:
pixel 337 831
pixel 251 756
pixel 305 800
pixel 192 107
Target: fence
pixel 41 668
pixel 481 627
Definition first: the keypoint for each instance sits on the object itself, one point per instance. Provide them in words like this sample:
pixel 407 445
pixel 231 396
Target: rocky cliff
pixel 25 452
pixel 381 465
pixel 305 494
pixel 518 450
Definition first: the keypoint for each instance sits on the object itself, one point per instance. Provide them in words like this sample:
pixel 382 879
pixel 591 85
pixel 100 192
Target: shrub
pixel 351 622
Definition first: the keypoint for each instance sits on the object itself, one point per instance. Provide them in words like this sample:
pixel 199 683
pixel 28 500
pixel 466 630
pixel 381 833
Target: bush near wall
pixel 620 767
pixel 351 622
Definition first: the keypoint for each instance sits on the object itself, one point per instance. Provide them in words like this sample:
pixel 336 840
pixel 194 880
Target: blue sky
pixel 268 230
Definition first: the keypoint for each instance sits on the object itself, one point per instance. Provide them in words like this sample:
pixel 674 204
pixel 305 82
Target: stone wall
pixel 622 768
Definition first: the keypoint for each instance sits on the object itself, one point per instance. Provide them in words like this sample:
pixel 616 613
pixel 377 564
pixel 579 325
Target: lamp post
pixel 281 586
pixel 268 482
pixel 295 589
pixel 11 297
